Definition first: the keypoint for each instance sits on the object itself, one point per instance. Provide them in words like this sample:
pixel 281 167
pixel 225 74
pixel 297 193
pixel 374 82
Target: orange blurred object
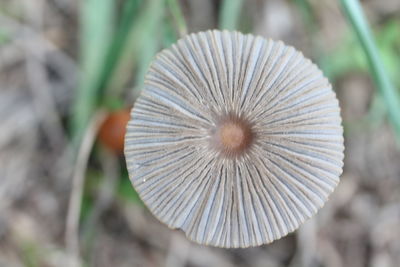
pixel 112 131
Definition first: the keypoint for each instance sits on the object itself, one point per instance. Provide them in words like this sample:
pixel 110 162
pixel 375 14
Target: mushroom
pixel 113 129
pixel 235 139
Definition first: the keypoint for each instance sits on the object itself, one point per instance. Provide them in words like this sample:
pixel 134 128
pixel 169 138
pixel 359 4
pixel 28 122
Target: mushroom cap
pixel 113 129
pixel 235 139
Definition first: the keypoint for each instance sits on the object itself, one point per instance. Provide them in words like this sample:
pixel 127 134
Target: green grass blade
pixel 170 34
pixel 96 18
pixel 130 10
pixel 147 37
pixel 142 42
pixel 229 14
pixel 178 16
pixel 390 95
pixel 307 13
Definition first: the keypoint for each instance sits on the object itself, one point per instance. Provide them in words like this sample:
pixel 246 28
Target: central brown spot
pixel 232 136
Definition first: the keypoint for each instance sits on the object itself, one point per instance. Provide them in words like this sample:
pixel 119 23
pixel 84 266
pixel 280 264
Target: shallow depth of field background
pixel 65 65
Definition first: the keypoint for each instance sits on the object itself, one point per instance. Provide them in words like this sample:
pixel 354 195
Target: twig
pixel 306 243
pixel 111 169
pixel 74 208
pixel 178 251
pixel 105 197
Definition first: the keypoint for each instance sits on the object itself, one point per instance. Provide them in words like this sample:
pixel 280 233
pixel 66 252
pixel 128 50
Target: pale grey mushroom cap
pixel 235 139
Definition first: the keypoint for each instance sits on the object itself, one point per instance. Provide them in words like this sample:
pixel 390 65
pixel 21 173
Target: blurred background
pixel 70 70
